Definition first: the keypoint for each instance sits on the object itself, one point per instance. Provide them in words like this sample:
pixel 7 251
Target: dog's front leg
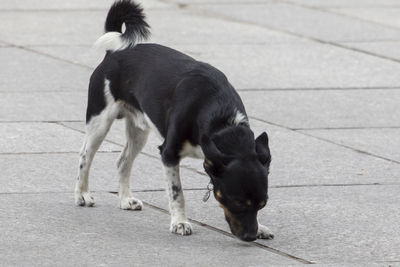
pixel 179 223
pixel 264 232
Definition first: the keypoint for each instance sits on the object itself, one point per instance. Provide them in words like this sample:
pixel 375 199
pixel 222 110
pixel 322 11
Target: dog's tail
pixel 136 28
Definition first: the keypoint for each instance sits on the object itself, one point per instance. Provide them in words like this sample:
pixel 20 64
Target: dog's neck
pixel 231 134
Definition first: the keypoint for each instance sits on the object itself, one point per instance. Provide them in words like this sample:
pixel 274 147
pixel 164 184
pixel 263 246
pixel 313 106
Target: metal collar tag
pixel 210 187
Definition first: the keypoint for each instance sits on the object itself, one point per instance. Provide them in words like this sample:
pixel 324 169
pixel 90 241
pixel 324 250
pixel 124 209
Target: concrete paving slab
pixel 192 28
pixel 383 142
pixel 42 138
pixel 58 232
pixel 86 55
pixel 326 108
pixel 388 16
pixel 55 5
pixel 300 65
pixel 326 225
pixel 73 27
pixel 347 3
pixel 388 49
pixel 310 23
pixel 117 135
pixel 297 159
pixel 43 106
pixel 185 28
pixel 25 71
pixel 226 2
pixel 39 173
pixel 311 65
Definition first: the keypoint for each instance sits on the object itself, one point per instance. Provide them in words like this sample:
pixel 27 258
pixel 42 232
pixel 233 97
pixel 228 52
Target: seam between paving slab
pixel 351 88
pixel 253 243
pixel 213 14
pixel 203 174
pixel 193 189
pixel 327 140
pixel 29 48
pixel 330 11
pixel 346 128
pixel 143 153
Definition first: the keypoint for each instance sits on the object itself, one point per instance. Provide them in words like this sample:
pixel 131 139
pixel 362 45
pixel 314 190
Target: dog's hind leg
pixel 97 127
pixel 136 139
pixel 179 223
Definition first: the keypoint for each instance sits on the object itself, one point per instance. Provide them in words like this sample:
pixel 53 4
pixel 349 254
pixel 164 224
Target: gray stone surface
pixel 75 27
pixel 388 16
pixel 39 173
pixel 42 138
pixel 320 224
pixel 334 197
pixel 292 165
pixel 312 65
pixel 24 71
pixel 347 3
pixel 302 160
pixel 91 26
pixel 387 49
pixel 42 106
pixel 57 5
pixel 383 142
pixel 326 108
pixel 306 22
pixel 48 229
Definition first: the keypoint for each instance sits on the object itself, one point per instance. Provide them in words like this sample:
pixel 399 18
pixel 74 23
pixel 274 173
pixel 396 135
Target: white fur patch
pixel 112 107
pixel 140 120
pixel 191 151
pixel 240 118
pixel 112 41
pixel 179 223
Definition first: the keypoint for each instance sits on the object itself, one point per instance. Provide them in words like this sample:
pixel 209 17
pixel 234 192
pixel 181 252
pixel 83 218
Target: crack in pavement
pixel 217 230
pixel 327 140
pixel 216 15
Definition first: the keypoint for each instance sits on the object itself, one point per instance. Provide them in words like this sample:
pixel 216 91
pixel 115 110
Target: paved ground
pixel 322 77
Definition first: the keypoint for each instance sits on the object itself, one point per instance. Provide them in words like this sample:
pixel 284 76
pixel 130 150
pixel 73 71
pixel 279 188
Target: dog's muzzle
pixel 244 226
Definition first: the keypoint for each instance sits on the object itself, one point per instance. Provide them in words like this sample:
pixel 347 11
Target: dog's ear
pixel 215 161
pixel 262 148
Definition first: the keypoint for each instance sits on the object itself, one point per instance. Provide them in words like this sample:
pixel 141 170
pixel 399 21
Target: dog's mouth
pixel 243 227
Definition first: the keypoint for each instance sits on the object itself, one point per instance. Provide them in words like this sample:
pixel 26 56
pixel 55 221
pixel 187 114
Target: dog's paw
pixel 131 203
pixel 84 199
pixel 264 232
pixel 181 228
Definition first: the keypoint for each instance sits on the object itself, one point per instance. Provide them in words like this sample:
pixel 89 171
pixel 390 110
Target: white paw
pixel 131 203
pixel 264 232
pixel 84 199
pixel 181 228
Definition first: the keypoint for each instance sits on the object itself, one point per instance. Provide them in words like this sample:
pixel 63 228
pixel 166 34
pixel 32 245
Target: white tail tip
pixel 111 41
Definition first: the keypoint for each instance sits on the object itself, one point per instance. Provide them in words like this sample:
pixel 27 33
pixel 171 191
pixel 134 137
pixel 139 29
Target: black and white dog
pixel 193 108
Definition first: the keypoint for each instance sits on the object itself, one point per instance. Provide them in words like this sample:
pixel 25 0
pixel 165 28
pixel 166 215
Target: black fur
pixel 126 11
pixel 188 100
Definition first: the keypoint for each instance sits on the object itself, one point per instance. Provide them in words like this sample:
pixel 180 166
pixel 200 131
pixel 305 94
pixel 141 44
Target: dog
pixel 191 106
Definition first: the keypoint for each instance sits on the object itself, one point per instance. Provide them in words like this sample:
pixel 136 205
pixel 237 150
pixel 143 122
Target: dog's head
pixel 240 179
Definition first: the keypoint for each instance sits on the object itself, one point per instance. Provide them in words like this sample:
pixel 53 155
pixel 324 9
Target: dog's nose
pixel 248 237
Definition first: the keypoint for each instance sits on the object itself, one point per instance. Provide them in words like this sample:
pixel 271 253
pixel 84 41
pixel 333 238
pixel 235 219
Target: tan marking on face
pixel 219 194
pixel 235 225
pixel 208 162
pixel 248 202
pixel 261 204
